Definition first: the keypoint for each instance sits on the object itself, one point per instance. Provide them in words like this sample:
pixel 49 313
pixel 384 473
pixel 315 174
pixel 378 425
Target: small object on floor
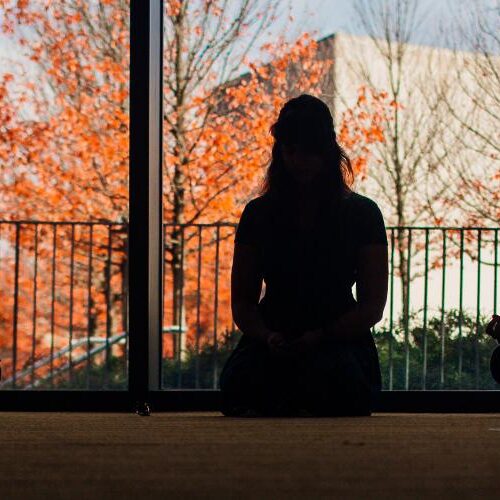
pixel 142 408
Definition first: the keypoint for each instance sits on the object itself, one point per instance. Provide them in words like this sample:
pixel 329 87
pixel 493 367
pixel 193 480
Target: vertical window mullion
pixel 145 241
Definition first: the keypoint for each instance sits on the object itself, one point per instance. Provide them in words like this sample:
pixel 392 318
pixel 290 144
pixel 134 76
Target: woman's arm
pixel 371 291
pixel 246 286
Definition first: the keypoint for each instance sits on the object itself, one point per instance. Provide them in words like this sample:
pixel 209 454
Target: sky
pixel 330 16
pixel 325 17
pixel 333 15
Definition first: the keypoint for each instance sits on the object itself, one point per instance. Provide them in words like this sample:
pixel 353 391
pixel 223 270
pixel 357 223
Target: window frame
pixel 146 270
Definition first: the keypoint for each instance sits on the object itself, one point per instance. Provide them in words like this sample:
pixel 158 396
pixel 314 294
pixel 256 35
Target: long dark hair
pixel 306 122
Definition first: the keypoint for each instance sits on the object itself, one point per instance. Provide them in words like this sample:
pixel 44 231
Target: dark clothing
pixel 334 380
pixel 308 278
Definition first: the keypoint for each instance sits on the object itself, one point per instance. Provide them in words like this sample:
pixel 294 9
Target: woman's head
pixel 305 149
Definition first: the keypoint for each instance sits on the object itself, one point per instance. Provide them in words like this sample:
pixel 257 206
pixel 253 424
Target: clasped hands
pixel 280 346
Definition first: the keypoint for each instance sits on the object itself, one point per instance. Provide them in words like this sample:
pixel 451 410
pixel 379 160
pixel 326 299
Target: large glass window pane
pixel 64 199
pixel 413 92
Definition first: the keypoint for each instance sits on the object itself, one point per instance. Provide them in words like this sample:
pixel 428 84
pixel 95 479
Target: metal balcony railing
pixel 64 306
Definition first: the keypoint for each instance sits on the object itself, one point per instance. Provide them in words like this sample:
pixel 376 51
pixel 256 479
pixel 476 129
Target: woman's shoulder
pixel 361 201
pixel 263 205
pixel 369 220
pixel 258 205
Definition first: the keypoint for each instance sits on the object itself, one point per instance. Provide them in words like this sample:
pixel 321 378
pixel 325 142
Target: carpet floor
pixel 207 455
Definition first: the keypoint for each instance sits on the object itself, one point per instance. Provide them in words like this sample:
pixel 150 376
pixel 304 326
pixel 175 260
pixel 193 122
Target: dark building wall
pixel 326 50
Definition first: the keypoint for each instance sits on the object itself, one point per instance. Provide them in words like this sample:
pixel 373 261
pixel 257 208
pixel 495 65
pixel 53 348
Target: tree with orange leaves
pixel 67 161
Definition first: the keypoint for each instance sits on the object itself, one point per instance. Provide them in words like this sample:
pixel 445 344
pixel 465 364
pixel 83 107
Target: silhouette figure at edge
pixel 306 348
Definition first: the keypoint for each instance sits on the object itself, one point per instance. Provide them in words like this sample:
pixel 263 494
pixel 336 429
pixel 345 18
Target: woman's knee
pixel 338 383
pixel 253 378
pixel 243 369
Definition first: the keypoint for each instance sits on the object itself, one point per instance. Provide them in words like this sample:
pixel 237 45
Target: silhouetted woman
pixel 306 347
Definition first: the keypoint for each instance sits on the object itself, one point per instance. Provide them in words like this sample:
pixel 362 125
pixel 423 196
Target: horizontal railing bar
pixel 76 361
pixel 79 342
pixel 174 329
pixel 441 228
pixel 65 223
pixel 58 354
pixel 232 224
pixel 95 340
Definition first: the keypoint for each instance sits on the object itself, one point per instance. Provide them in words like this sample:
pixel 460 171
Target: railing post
pixel 33 332
pixel 478 304
pixel 426 271
pixel 407 319
pixel 198 306
pixel 216 303
pixel 89 301
pixel 443 329
pixel 391 313
pixel 15 311
pixel 71 279
pixel 52 303
pixel 460 305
